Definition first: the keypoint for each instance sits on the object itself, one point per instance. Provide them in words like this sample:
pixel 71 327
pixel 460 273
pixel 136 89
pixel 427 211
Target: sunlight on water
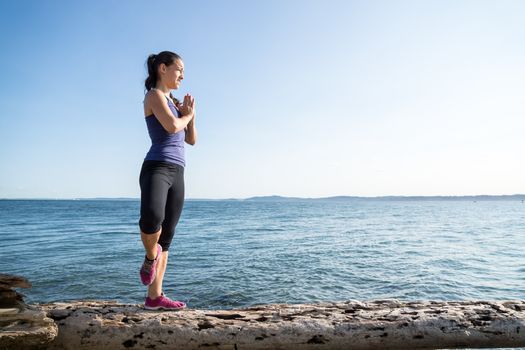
pixel 237 253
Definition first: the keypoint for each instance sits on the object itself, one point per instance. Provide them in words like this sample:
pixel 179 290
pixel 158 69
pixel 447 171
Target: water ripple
pixel 237 253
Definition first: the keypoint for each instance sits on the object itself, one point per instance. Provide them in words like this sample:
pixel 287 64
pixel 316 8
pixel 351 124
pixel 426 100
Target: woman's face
pixel 173 74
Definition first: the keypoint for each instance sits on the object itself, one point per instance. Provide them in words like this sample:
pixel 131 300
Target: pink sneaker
pixel 148 271
pixel 163 303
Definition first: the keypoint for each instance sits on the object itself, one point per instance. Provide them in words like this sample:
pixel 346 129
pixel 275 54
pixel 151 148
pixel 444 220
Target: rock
pixel 8 297
pixel 13 281
pixel 378 324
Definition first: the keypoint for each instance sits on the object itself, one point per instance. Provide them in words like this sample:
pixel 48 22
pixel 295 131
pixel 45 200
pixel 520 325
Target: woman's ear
pixel 162 68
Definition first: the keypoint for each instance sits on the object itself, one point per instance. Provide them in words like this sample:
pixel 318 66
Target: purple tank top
pixel 165 146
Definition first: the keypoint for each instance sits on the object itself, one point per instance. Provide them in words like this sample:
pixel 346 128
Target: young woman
pixel 170 124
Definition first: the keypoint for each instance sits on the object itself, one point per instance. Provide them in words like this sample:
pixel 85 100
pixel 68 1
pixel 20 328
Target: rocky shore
pixel 376 324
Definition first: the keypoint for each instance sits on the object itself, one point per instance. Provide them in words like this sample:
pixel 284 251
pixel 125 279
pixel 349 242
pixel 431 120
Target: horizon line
pixel 275 197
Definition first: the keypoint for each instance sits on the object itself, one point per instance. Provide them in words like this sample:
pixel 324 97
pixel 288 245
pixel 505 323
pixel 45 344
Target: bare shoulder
pixel 153 95
pixel 153 100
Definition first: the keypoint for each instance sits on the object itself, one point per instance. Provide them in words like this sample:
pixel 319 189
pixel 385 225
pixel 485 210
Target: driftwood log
pixel 22 326
pixel 377 324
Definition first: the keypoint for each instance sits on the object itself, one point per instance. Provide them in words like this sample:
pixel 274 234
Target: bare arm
pixel 191 132
pixel 188 106
pixel 158 104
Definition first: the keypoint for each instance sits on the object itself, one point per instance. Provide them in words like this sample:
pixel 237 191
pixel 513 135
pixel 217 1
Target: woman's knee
pixel 150 222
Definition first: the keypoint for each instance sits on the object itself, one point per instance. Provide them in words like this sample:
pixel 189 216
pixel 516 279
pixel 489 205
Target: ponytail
pixel 176 102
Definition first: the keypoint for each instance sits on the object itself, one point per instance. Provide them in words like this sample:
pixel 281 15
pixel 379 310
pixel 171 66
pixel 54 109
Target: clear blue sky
pixel 295 98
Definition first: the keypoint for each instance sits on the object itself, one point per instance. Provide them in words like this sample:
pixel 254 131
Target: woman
pixel 170 124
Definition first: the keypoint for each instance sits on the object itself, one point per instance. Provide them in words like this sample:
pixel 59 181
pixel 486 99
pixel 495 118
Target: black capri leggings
pixel 161 198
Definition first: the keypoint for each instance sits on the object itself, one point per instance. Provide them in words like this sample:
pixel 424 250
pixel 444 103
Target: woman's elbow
pixel 174 128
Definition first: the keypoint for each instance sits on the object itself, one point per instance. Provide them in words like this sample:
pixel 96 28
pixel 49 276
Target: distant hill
pixel 273 198
pixel 514 197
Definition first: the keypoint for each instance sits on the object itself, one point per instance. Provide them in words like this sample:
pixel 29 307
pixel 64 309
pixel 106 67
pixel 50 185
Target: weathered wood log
pixel 22 326
pixel 27 329
pixel 377 324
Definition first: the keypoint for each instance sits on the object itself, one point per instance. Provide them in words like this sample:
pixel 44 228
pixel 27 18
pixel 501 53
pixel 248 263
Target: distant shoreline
pixel 514 197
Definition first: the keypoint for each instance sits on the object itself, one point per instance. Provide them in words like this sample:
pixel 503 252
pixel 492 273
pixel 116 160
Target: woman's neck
pixel 165 90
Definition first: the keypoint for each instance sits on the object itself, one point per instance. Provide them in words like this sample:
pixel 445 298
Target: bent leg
pixel 155 288
pixel 154 185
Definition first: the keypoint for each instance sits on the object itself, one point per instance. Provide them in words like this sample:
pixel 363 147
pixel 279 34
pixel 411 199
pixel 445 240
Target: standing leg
pixel 174 205
pixel 155 289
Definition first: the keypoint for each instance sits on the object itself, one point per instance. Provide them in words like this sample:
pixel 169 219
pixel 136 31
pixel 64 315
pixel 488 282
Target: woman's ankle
pixel 153 296
pixel 152 255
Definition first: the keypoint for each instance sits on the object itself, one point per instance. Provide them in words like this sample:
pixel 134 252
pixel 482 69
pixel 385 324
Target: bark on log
pixel 22 326
pixel 27 329
pixel 377 324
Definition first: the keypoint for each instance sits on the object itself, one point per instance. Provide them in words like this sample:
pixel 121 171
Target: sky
pixel 293 98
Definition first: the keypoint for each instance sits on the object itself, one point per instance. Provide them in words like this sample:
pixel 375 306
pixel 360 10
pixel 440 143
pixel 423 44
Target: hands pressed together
pixel 188 106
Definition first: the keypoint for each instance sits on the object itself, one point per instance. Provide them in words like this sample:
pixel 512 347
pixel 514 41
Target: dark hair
pixel 153 62
pixel 176 102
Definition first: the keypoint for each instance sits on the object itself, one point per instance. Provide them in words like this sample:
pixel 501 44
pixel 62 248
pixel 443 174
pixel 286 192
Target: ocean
pixel 236 253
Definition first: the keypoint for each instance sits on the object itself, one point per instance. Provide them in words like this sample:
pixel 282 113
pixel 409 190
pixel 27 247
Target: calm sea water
pixel 229 254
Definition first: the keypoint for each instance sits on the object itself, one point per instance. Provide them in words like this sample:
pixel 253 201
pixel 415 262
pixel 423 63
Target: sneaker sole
pixel 162 308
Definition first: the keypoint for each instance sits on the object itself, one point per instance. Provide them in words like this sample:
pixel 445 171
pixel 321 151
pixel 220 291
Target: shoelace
pixel 171 301
pixel 146 265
